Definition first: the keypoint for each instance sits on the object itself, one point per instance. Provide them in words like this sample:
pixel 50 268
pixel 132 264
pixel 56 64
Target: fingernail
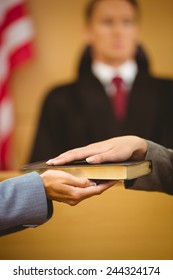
pixel 92 183
pixel 50 161
pixel 91 160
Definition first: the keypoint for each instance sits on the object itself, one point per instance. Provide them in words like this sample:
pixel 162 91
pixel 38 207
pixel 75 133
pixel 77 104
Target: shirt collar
pixel 105 73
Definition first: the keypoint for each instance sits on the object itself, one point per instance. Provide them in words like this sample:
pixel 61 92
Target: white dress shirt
pixel 105 74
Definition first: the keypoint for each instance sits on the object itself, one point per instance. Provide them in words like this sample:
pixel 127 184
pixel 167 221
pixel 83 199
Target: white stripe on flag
pixel 6 116
pixel 17 33
pixel 23 31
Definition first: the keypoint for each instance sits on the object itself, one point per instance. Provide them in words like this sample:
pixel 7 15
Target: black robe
pixel 81 113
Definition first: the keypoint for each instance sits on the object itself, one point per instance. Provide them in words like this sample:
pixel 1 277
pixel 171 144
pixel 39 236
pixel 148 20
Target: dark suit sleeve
pixel 23 203
pixel 161 178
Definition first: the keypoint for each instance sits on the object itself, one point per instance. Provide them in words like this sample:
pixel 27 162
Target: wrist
pixel 140 150
pixel 46 182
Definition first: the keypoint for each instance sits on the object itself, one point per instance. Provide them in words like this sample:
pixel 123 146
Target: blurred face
pixel 112 31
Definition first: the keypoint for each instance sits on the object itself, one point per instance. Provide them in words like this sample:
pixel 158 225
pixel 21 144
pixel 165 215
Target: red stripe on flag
pixel 16 58
pixel 3 91
pixel 13 14
pixel 5 152
pixel 21 54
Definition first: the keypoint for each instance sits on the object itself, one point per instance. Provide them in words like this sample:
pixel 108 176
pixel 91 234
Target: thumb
pixel 111 156
pixel 99 158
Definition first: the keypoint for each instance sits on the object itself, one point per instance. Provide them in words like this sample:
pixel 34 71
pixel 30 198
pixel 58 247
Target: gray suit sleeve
pixel 23 203
pixel 161 178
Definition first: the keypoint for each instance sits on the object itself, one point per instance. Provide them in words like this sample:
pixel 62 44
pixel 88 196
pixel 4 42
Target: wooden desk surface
pixel 9 174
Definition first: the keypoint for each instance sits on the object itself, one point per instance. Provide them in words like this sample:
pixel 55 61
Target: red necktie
pixel 119 99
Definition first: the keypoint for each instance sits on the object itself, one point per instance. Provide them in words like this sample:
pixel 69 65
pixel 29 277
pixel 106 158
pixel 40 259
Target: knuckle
pixel 99 158
pixel 75 195
pixel 73 203
pixel 84 181
pixel 74 152
pixel 98 191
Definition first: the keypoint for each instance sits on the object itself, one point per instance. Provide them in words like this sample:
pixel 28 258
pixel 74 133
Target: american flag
pixel 16 35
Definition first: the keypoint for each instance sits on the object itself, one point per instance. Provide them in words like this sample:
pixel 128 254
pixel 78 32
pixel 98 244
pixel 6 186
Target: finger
pixel 78 154
pixel 62 192
pixel 100 158
pixel 71 180
pixel 67 178
pixel 113 155
pixel 72 155
pixel 94 190
pixel 81 182
pixel 73 196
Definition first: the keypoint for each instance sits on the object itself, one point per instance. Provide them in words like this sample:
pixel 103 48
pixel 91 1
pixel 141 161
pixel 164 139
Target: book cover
pixel 105 171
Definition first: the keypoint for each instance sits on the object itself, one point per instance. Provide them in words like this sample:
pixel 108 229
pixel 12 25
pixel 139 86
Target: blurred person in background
pixel 114 94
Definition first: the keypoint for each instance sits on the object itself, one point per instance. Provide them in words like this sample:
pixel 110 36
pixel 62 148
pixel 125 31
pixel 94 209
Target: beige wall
pixel 119 224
